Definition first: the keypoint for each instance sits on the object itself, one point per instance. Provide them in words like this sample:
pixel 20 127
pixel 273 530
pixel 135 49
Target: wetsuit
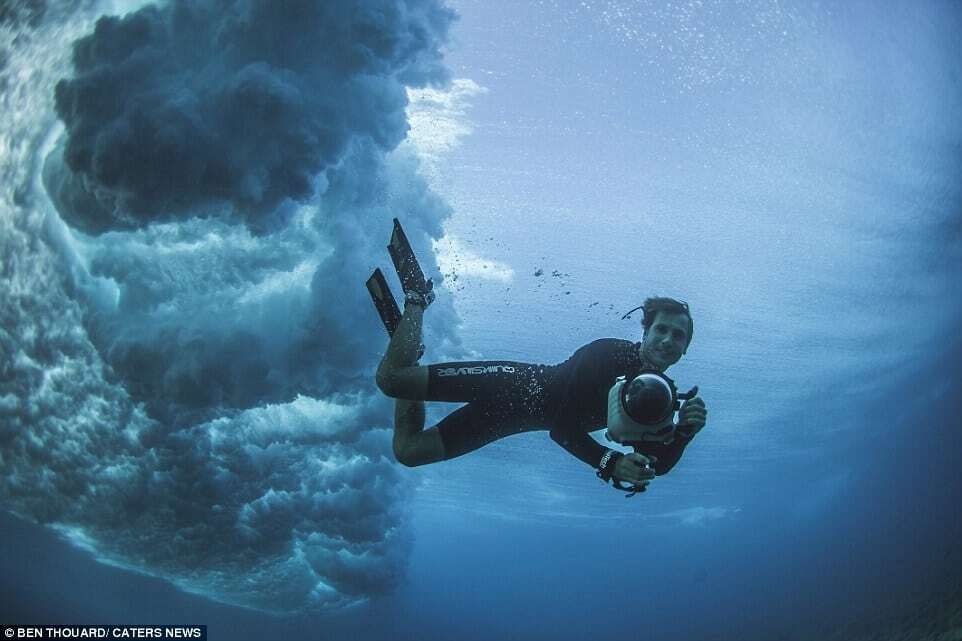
pixel 569 400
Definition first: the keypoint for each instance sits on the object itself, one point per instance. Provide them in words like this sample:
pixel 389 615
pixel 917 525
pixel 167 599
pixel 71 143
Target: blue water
pixel 189 431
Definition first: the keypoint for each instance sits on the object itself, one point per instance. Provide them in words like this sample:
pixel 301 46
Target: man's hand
pixel 635 469
pixel 691 416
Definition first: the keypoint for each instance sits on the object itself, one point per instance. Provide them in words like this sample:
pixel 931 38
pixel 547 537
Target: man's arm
pixel 584 447
pixel 581 445
pixel 667 455
pixel 634 469
pixel 691 419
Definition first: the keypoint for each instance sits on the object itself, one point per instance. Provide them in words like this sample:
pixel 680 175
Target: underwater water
pixel 193 194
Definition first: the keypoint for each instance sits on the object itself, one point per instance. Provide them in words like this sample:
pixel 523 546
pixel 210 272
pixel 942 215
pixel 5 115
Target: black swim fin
pixel 407 266
pixel 384 302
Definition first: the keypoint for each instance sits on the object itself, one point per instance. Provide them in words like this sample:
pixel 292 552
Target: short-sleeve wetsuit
pixel 570 400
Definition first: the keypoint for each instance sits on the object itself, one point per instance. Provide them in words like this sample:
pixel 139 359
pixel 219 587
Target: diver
pixel 609 383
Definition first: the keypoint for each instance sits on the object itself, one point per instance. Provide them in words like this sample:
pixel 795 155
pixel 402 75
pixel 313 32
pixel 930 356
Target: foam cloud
pixel 17 13
pixel 209 315
pixel 286 507
pixel 699 515
pixel 186 362
pixel 192 106
pixel 439 119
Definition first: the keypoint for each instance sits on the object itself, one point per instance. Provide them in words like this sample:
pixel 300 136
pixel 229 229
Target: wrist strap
pixel 607 466
pixel 606 469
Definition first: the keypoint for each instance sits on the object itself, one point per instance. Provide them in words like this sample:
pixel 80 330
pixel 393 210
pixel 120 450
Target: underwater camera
pixel 643 409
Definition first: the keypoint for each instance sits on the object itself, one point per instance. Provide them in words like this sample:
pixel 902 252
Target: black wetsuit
pixel 569 400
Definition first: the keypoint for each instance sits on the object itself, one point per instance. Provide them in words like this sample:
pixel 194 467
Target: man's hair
pixel 657 304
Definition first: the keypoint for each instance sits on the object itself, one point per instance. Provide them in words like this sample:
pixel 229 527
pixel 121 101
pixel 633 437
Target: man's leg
pixel 398 375
pixel 508 399
pixel 413 445
pixel 476 424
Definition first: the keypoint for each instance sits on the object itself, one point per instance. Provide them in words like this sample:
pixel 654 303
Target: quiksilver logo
pixel 480 369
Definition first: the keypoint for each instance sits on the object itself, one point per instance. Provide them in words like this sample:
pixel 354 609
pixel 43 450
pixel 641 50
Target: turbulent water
pixel 192 194
pixel 183 392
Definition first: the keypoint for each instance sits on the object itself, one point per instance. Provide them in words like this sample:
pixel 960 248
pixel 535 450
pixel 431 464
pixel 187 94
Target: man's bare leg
pixel 399 375
pixel 413 445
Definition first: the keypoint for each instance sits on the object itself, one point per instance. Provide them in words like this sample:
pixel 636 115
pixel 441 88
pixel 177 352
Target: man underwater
pixel 570 399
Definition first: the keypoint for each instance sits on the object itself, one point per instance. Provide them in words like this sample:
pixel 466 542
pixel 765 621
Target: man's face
pixel 665 341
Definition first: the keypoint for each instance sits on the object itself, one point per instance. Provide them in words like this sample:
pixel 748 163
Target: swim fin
pixel 408 269
pixel 384 302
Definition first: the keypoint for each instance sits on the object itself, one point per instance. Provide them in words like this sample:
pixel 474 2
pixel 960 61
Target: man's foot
pixel 420 297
